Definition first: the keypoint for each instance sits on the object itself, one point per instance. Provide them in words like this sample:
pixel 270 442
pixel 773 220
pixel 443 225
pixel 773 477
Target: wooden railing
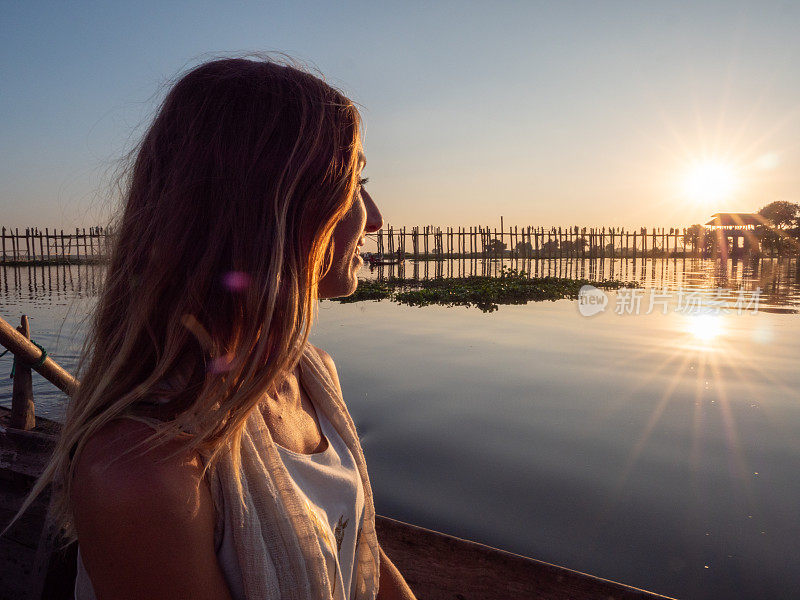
pixel 34 246
pixel 437 243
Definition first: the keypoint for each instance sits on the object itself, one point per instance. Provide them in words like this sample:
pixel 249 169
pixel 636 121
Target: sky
pixel 594 113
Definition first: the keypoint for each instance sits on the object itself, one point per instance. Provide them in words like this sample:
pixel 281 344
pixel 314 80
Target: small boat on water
pixel 381 259
pixel 437 566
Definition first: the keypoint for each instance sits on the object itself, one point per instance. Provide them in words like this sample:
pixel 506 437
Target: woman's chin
pixel 344 283
pixel 358 262
pixel 344 287
pixel 353 283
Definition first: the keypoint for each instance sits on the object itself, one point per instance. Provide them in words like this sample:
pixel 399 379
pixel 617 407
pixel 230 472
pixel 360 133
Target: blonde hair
pixel 225 232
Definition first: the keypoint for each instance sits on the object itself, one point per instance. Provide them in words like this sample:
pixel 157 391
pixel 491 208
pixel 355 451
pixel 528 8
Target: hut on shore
pixel 735 233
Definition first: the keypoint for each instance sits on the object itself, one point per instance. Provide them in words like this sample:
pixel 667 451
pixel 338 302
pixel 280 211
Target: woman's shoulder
pixel 117 470
pixel 118 455
pixel 152 498
pixel 327 360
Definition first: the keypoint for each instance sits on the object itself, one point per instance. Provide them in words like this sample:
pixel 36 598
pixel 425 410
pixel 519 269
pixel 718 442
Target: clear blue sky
pixel 549 113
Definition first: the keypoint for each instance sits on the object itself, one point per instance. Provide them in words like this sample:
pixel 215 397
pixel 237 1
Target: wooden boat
pixel 378 259
pixel 437 566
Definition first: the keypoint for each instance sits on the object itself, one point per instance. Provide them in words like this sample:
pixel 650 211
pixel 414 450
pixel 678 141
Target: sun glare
pixel 710 182
pixel 704 328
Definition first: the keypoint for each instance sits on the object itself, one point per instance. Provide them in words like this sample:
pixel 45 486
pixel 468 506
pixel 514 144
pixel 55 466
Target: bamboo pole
pixel 27 353
pixel 23 414
pixel 583 243
pixel 471 244
pixel 571 251
pixel 560 244
pixel 603 243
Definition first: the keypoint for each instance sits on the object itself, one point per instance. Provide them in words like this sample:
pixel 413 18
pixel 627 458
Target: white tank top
pixel 330 484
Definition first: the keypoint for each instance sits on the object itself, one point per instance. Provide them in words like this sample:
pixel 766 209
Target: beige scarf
pixel 277 547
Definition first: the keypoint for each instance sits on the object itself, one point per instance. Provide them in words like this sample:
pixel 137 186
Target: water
pixel 778 280
pixel 656 450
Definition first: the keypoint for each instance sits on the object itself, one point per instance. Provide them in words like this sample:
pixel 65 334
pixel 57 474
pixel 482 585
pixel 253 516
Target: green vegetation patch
pixel 485 293
pixel 370 290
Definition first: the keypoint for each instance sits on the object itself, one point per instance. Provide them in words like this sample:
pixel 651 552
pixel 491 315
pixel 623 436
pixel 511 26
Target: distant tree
pixel 695 237
pixel 774 240
pixel 550 247
pixel 496 245
pixel 784 234
pixel 781 213
pixel 699 239
pixel 576 245
pixel 524 249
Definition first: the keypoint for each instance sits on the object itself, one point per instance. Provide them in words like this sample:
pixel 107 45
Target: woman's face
pixel 348 237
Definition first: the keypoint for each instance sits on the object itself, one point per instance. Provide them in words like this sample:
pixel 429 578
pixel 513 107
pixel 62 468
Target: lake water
pixel 659 450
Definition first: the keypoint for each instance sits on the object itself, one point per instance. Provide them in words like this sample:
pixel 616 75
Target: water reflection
pixel 50 284
pixel 58 300
pixel 778 279
pixel 656 449
pixel 625 446
pixel 705 328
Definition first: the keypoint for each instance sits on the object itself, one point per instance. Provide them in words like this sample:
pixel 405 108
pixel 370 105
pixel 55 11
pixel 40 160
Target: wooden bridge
pixel 34 246
pixel 436 243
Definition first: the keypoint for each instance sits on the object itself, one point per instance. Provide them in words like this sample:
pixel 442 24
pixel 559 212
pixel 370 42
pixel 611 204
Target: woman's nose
pixel 374 217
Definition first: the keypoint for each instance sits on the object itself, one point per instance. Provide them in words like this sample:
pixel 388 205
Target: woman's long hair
pixel 224 235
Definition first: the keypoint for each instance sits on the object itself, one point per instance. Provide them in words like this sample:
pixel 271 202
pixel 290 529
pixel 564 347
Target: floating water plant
pixel 483 292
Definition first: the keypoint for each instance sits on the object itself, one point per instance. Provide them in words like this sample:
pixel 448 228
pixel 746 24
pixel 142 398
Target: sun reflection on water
pixel 704 328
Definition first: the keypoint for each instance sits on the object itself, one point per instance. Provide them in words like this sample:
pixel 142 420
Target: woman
pixel 208 453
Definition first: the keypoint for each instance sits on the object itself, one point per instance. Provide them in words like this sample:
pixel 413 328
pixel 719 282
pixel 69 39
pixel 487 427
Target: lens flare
pixel 236 281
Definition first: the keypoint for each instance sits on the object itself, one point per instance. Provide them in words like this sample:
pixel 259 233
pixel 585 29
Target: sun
pixel 710 181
